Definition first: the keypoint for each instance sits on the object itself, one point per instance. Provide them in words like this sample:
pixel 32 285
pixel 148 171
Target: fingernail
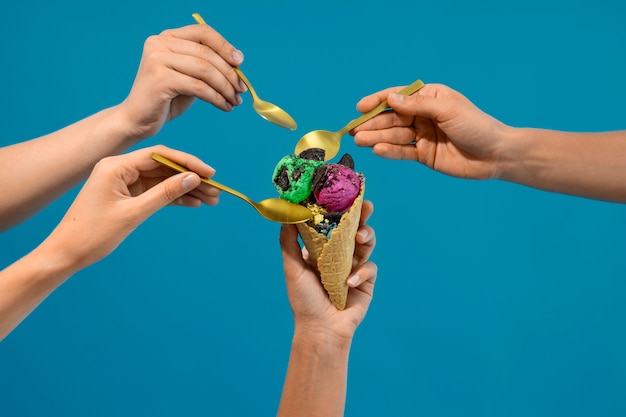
pixel 396 97
pixel 228 106
pixel 237 56
pixel 243 85
pixel 363 234
pixel 188 182
pixel 353 281
pixel 238 99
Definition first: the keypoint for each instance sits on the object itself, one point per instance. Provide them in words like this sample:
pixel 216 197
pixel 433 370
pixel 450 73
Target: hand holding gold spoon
pixel 330 141
pixel 274 209
pixel 270 112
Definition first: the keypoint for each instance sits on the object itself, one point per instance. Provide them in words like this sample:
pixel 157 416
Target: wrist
pixel 57 259
pixel 49 266
pixel 322 342
pixel 122 127
pixel 513 154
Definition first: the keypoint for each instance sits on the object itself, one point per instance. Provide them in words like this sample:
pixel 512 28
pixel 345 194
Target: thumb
pixel 415 105
pixel 167 191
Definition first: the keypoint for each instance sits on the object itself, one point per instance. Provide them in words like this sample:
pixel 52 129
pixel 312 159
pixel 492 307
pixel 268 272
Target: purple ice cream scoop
pixel 335 187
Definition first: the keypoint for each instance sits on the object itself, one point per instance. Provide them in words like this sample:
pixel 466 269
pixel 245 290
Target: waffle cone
pixel 333 257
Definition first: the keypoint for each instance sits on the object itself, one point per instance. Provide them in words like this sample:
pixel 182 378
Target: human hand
pixel 312 309
pixel 177 66
pixel 121 193
pixel 437 127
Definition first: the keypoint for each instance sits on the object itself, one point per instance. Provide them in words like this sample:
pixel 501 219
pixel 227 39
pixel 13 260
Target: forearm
pixel 27 282
pixel 38 171
pixel 316 379
pixel 591 165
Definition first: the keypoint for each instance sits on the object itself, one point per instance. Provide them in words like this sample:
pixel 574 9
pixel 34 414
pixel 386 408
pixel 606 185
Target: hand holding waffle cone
pixel 334 193
pixel 333 256
pixel 314 309
pixel 316 382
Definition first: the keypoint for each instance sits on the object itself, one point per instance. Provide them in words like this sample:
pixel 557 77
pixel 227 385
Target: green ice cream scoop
pixel 292 177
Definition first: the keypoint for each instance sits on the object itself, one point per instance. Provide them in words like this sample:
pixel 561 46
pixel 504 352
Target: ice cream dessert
pixel 293 176
pixel 334 193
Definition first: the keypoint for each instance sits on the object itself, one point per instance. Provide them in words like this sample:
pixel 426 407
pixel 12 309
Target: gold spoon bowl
pixel 270 112
pixel 330 141
pixel 274 209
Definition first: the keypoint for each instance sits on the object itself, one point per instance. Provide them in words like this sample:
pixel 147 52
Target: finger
pixel 386 120
pixel 418 105
pixel 144 161
pixel 204 193
pixel 368 103
pixel 364 277
pixel 396 152
pixel 195 199
pixel 290 248
pixel 211 201
pixel 214 91
pixel 366 211
pixel 208 36
pixel 165 193
pixel 201 62
pixel 232 57
pixel 365 236
pixel 366 242
pixel 207 194
pixel 187 200
pixel 396 136
pixel 204 52
pixel 208 190
pixel 208 71
pixel 306 255
pixel 431 102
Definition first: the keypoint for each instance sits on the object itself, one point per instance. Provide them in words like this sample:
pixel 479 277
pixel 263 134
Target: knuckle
pixel 197 86
pixel 202 64
pixel 105 165
pixel 168 195
pixel 151 42
pixel 166 32
pixel 225 46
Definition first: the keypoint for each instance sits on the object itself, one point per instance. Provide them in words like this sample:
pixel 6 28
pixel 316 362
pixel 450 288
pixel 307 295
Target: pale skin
pixel 119 195
pixel 176 66
pixel 316 380
pixel 123 191
pixel 442 129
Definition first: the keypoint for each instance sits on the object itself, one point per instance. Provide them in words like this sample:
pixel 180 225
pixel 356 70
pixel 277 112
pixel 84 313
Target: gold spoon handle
pixel 201 21
pixel 198 18
pixel 406 91
pixel 168 162
pixel 246 82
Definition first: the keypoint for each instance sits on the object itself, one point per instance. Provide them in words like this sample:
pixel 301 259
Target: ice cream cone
pixel 333 256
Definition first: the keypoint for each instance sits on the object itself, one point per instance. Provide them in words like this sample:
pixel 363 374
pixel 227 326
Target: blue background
pixel 493 299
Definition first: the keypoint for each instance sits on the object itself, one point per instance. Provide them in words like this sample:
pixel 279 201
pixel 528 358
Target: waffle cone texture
pixel 333 257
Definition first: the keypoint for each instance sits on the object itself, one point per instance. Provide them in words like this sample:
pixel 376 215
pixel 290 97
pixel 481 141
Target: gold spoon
pixel 274 209
pixel 268 111
pixel 329 141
